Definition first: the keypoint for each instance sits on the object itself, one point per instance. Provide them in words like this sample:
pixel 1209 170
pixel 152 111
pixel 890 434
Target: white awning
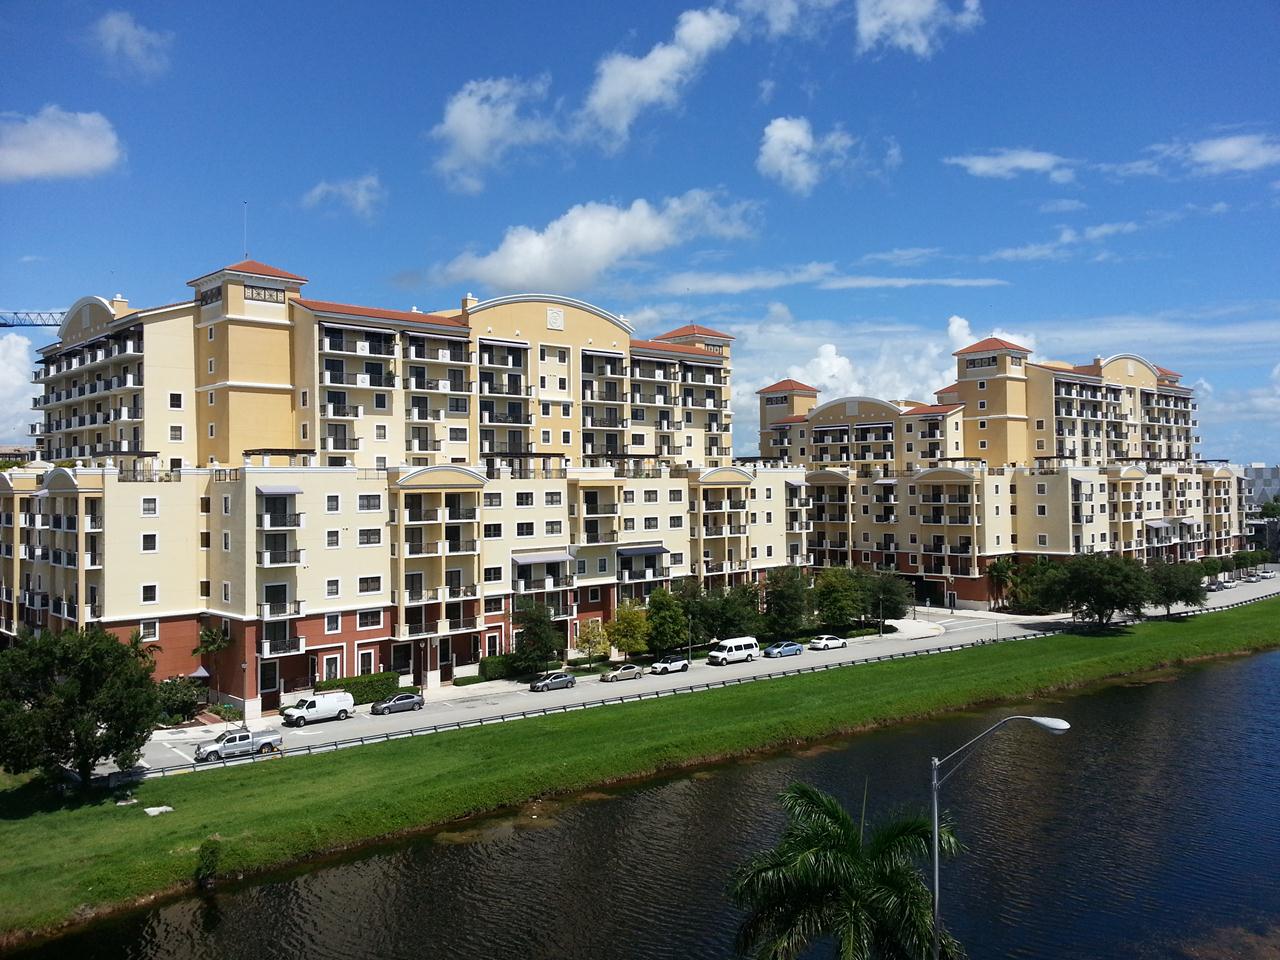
pixel 642 551
pixel 546 556
pixel 794 483
pixel 1158 524
pixel 887 480
pixel 280 491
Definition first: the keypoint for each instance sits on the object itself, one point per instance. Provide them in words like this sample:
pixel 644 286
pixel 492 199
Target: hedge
pixel 366 688
pixel 497 667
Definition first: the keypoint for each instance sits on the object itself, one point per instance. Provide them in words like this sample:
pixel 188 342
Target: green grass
pixel 63 860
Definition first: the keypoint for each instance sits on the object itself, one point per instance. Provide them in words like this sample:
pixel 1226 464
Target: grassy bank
pixel 65 861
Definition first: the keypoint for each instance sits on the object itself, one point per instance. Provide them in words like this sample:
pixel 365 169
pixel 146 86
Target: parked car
pixel 238 743
pixel 625 671
pixel 734 650
pixel 397 704
pixel 787 648
pixel 827 642
pixel 1253 578
pixel 1268 574
pixel 670 663
pixel 1214 586
pixel 329 705
pixel 1228 584
pixel 552 681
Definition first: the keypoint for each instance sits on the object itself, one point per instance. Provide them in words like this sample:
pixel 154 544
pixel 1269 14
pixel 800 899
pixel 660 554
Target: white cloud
pixel 781 18
pixel 1241 153
pixel 892 154
pixel 693 282
pixel 129 46
pixel 916 26
pixel 483 122
pixel 767 88
pixel 903 256
pixel 790 154
pixel 1064 205
pixel 361 195
pixel 1006 163
pixel 15 393
pixel 903 283
pixel 575 249
pixel 56 143
pixel 626 85
pixel 1068 237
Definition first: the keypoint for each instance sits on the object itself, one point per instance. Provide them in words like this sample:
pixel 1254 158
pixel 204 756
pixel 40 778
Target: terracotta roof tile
pixel 694 330
pixel 255 267
pixel 789 386
pixel 795 418
pixel 1165 371
pixel 951 389
pixel 673 348
pixel 933 408
pixel 377 313
pixel 990 344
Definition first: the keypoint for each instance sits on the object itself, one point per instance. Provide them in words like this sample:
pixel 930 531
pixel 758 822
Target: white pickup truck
pixel 238 743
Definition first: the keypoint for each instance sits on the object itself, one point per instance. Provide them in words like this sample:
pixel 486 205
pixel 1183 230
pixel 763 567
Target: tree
pixel 212 641
pixel 832 876
pixel 1000 576
pixel 697 609
pixel 1210 567
pixel 592 640
pixel 785 601
pixel 537 639
pixel 668 628
pixel 1228 564
pixel 888 597
pixel 1035 587
pixel 839 598
pixel 1271 509
pixel 629 629
pixel 739 613
pixel 1095 586
pixel 1176 583
pixel 74 699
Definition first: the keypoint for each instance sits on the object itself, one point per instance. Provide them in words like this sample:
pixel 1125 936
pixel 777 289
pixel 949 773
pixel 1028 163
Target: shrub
pixel 226 711
pixel 178 699
pixel 366 688
pixel 588 661
pixel 207 858
pixel 498 667
pixel 467 681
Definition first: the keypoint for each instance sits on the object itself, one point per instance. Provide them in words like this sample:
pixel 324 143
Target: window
pixel 492 604
pixel 458 434
pixel 380 431
pixel 637 439
pixel 150 593
pixel 379 401
pixel 209 332
pixel 546 436
pixel 370 536
pixel 205 588
pixel 628 523
pixel 149 629
pixel 982 384
pixel 210 365
pixel 459 405
pixel 331 503
pixel 1042 539
pixel 1041 510
pixel 492 574
pixel 333 623
pixel 553 528
pixel 602 565
pixel 226 541
pixel 524 498
pixel 982 404
pixel 677 559
pixel 651 496
pixel 1040 489
pixel 304 398
pixel 524 529
pixel 211 398
pixel 370 584
pixel 332 588
pixel 982 424
pixel 204 539
pixel 563 383
pixel 369 502
pixel 982 444
pixel 333 538
pixel 1039 424
pixel 226 591
pixel 149 543
pixel 369 620
pixel 226 506
pixel 582 567
pixel 492 531
pixel 593 595
pixel 628 496
pixel 651 523
pixel 552 498
pixel 175 401
pixel 566 437
pixel 564 409
pixel 150 507
pixel 676 522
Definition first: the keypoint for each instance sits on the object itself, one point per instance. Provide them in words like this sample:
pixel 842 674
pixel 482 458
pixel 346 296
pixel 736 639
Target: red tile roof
pixel 990 344
pixel 1165 371
pixel 951 389
pixel 933 408
pixel 255 267
pixel 693 330
pixel 795 418
pixel 377 313
pixel 673 348
pixel 789 386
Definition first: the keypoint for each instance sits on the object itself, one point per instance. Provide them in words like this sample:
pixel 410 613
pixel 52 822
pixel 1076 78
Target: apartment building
pixel 1016 458
pixel 345 489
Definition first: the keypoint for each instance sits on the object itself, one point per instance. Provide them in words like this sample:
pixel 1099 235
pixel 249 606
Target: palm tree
pixel 212 641
pixel 1000 574
pixel 830 876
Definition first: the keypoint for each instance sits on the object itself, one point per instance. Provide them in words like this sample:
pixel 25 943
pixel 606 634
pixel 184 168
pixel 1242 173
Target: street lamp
pixel 1052 724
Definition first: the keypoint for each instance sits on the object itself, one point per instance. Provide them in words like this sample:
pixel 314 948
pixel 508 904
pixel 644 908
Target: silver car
pixel 552 681
pixel 397 704
pixel 625 671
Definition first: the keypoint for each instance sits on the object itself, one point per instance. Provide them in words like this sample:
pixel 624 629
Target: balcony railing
pixel 280 558
pixel 280 521
pixel 282 646
pixel 279 609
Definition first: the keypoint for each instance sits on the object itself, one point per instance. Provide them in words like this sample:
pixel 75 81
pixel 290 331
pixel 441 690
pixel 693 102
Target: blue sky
pixel 854 188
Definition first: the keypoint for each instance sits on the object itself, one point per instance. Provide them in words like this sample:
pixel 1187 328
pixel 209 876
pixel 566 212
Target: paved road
pixel 930 628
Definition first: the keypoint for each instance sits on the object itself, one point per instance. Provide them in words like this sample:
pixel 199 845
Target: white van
pixel 733 650
pixel 330 705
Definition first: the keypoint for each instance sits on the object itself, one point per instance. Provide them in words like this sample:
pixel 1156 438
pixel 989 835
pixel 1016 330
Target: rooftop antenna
pixel 246 229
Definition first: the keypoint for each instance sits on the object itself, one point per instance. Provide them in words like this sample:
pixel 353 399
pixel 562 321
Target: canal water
pixel 1152 829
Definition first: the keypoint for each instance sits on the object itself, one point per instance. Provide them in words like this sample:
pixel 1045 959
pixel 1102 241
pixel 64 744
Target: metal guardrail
pixel 334 745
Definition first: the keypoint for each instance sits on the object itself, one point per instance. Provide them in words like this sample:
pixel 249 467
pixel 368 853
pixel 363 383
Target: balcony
pixel 280 521
pixel 644 573
pixel 461 514
pixel 457 547
pixel 434 385
pixel 422 548
pixel 282 646
pixel 281 558
pixel 488 417
pixel 364 380
pixel 363 348
pixel 591 537
pixel 504 389
pixel 280 610
pixel 541 584
pixel 418 515
pixel 341 411
pixel 342 444
pixel 459 624
pixel 462 592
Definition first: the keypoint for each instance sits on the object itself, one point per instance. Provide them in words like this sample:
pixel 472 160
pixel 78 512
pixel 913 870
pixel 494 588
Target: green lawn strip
pixel 62 861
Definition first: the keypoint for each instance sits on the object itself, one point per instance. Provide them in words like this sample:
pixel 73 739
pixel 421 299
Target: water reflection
pixel 1150 826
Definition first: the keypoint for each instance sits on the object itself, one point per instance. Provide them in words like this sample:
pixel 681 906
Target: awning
pixel 200 673
pixel 794 483
pixel 1185 522
pixel 280 491
pixel 1158 524
pixel 887 480
pixel 646 550
pixel 546 556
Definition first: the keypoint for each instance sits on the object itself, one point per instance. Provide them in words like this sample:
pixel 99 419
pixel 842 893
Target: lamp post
pixel 1052 724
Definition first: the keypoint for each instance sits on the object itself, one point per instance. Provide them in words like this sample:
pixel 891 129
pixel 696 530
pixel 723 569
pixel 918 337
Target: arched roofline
pixel 889 407
pixel 421 476
pixel 582 305
pixel 726 475
pixel 1133 356
pixel 90 301
pixel 931 472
